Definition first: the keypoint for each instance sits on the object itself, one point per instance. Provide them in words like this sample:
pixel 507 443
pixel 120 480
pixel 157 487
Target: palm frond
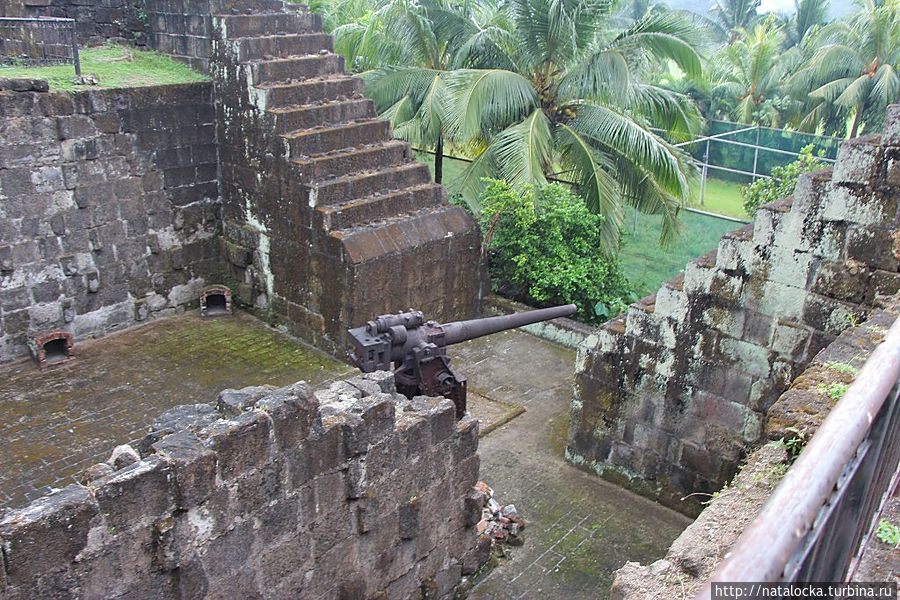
pixel 593 175
pixel 486 101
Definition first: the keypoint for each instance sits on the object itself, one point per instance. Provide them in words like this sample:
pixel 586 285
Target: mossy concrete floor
pixel 60 421
pixel 581 528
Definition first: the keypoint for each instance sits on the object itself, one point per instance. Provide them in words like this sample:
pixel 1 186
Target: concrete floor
pixel 581 528
pixel 58 422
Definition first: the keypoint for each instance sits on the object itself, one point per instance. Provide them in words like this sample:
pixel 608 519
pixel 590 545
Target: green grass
pixel 647 265
pixel 723 198
pixel 114 67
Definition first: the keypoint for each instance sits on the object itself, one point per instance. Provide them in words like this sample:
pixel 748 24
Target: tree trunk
pixel 854 129
pixel 439 160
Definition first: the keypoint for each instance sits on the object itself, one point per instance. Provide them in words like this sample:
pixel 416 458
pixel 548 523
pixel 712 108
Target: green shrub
pixel 783 181
pixel 545 249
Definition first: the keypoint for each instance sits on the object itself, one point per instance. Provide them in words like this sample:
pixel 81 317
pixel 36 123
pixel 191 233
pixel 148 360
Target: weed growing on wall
pixel 888 532
pixel 545 248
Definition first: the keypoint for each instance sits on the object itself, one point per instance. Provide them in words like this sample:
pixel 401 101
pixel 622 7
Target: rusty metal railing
pixel 39 41
pixel 813 526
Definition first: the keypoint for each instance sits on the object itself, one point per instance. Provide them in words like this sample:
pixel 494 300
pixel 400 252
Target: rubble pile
pixel 500 523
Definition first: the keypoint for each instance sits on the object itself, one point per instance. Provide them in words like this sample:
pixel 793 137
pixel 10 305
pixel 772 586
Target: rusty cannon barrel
pixel 461 331
pixel 416 349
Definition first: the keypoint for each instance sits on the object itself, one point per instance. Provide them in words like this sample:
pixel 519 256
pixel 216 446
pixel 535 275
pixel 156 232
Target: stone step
pixel 314 91
pixel 296 68
pixel 402 234
pixel 356 213
pixel 284 45
pixel 241 26
pixel 353 160
pixel 362 185
pixel 232 7
pixel 317 115
pixel 320 140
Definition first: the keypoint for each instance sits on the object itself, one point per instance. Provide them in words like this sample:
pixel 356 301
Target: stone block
pixel 477 556
pixel 858 160
pixel 232 403
pixel 466 442
pixel 76 126
pixel 441 415
pixel 861 206
pixel 241 443
pixel 192 417
pixel 46 535
pixel 408 518
pixel 848 281
pixel 473 503
pixel 789 339
pixel 829 315
pixel 750 358
pixel 294 413
pixel 357 478
pixel 378 411
pixel 322 452
pixel 194 467
pixel 874 247
pixel 131 496
pixel 384 379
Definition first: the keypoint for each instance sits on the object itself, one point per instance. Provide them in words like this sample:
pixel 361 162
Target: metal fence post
pixel 75 56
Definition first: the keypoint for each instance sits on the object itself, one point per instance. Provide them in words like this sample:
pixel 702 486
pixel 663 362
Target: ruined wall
pixel 668 396
pixel 97 22
pixel 328 221
pixel 354 492
pixel 108 208
pixel 696 553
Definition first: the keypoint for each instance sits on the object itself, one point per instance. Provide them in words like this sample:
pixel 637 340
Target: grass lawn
pixel 114 67
pixel 721 197
pixel 647 265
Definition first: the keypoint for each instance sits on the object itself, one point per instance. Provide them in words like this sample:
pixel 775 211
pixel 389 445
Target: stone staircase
pixel 669 395
pixel 364 190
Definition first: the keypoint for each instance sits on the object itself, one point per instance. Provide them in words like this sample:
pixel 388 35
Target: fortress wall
pixel 669 396
pixel 696 553
pixel 108 208
pixel 349 492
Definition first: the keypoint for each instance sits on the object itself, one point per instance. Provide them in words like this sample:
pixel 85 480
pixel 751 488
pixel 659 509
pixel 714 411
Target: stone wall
pixel 696 553
pixel 351 492
pixel 97 22
pixel 328 221
pixel 669 396
pixel 108 208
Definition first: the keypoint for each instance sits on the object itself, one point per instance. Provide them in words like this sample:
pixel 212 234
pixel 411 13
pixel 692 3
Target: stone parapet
pixel 349 491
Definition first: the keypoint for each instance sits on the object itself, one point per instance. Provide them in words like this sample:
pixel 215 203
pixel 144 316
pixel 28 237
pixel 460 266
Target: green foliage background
pixel 545 249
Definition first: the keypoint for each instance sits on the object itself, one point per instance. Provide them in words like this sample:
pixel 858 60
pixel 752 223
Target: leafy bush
pixel 545 249
pixel 783 181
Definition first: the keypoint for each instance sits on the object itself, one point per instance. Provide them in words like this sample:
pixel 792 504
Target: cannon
pixel 416 349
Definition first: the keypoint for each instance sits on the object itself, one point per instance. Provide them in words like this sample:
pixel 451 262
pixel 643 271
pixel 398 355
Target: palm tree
pixel 808 16
pixel 749 72
pixel 408 48
pixel 857 72
pixel 572 103
pixel 731 16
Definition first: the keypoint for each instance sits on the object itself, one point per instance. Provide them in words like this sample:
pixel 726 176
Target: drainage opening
pixel 56 351
pixel 216 304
